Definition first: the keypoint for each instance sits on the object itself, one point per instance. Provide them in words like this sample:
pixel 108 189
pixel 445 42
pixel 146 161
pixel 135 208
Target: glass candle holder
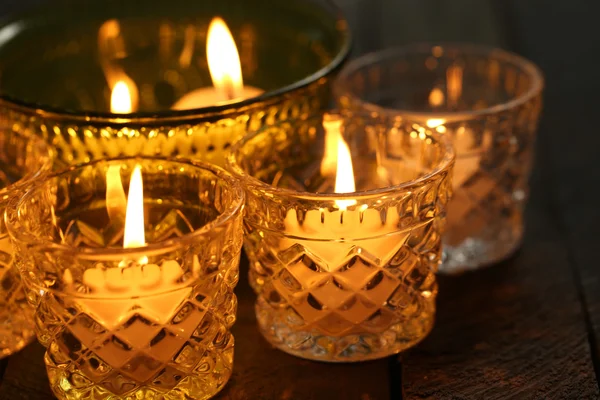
pixel 62 61
pixel 23 159
pixel 343 276
pixel 135 320
pixel 488 101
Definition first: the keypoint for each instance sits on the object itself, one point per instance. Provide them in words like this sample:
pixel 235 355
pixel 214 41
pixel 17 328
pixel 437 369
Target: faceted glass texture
pixel 339 280
pixel 23 160
pixel 149 322
pixel 488 101
pixel 62 59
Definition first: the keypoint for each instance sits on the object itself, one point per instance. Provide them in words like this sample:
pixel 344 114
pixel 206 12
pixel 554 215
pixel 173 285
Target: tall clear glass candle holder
pixel 488 101
pixel 343 276
pixel 151 320
pixel 23 159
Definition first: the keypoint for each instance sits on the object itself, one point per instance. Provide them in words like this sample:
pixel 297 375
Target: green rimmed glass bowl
pixel 52 81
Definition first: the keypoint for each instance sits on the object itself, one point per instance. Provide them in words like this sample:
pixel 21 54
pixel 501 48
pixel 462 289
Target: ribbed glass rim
pixel 248 181
pixel 341 87
pixel 45 159
pixel 47 112
pixel 115 254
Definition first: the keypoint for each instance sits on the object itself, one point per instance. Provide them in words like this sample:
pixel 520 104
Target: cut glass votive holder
pixel 488 101
pixel 343 277
pixel 61 61
pixel 24 159
pixel 138 322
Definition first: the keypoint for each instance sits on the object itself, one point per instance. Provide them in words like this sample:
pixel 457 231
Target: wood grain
pixel 575 201
pixel 520 329
pixel 569 58
pixel 515 329
pixel 25 376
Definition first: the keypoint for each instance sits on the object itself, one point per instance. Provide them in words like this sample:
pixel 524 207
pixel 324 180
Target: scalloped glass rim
pixel 444 164
pixel 220 110
pixel 340 88
pixel 151 249
pixel 45 165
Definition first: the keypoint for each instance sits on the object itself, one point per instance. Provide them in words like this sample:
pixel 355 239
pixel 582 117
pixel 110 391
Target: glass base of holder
pixel 16 315
pixel 475 253
pixel 16 331
pixel 69 384
pixel 277 328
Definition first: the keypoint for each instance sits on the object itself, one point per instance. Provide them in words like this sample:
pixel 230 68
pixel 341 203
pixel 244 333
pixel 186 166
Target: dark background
pixel 528 328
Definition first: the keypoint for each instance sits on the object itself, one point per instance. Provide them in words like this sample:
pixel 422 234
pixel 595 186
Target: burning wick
pixel 223 60
pixel 344 176
pixel 111 47
pixel 134 235
pixel 225 70
pixel 344 173
pixel 120 99
pixel 131 209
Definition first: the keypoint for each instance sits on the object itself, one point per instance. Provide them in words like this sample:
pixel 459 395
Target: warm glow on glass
pixel 111 46
pixel 224 60
pixel 134 218
pixel 116 202
pixel 120 99
pixel 436 97
pixel 435 122
pixel 454 84
pixel 332 127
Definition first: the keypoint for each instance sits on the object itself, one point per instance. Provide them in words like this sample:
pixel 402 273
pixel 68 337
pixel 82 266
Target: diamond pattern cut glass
pixel 142 322
pixel 488 101
pixel 340 279
pixel 23 159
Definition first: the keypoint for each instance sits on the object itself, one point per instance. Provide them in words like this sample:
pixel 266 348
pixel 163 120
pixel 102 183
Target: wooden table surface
pixel 528 328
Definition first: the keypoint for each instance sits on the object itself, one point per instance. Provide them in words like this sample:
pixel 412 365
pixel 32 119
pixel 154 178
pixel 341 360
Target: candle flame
pixel 436 97
pixel 111 49
pixel 344 176
pixel 134 217
pixel 130 210
pixel 120 99
pixel 224 60
pixel 337 159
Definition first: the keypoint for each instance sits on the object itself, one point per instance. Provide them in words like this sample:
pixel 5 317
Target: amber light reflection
pixel 120 99
pixel 110 47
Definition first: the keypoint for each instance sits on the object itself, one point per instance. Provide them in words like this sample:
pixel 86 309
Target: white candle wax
pixel 209 96
pixel 332 235
pixel 124 299
pixel 119 293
